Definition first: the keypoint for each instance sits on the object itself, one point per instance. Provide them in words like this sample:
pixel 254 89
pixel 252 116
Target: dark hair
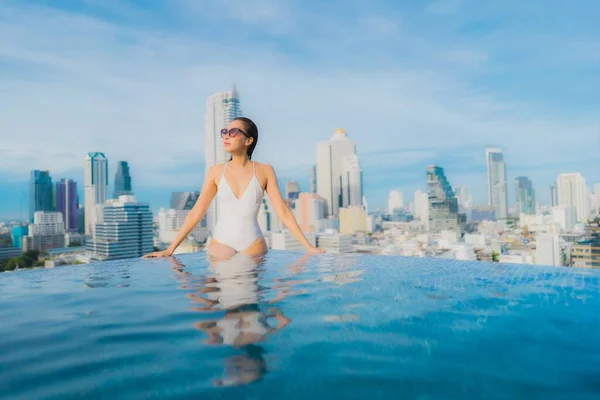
pixel 251 132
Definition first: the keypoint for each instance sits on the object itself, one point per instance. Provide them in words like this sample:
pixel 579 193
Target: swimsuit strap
pixel 225 167
pixel 253 168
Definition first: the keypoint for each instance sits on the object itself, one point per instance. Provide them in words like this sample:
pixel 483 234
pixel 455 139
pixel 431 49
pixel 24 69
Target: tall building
pixel 553 195
pixel 422 206
pixel 549 250
pixel 395 201
pixel 596 199
pixel 330 169
pixel 221 109
pixel 181 201
pixel 443 206
pixel 292 190
pixel 67 203
pixel 310 208
pixel 525 196
pixel 122 180
pixel 170 222
pixel 95 182
pixel 496 177
pixel 313 179
pixel 45 233
pixel 352 186
pixel 565 217
pixel 124 230
pixel 40 192
pixel 572 191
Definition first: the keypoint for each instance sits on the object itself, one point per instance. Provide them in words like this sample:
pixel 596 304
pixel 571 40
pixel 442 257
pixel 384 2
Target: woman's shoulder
pixel 265 168
pixel 216 169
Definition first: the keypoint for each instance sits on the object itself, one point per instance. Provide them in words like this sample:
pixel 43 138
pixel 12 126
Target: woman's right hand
pixel 159 254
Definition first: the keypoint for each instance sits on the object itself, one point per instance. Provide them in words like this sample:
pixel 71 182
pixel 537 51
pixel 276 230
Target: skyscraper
pixel 525 196
pixel 330 168
pixel 313 179
pixel 95 182
pixel 352 187
pixel 443 206
pixel 463 196
pixel 182 201
pixel 122 180
pixel 553 195
pixel 572 191
pixel 395 201
pixel 496 174
pixel 124 230
pixel 67 203
pixel 40 192
pixel 422 207
pixel 221 109
pixel 292 190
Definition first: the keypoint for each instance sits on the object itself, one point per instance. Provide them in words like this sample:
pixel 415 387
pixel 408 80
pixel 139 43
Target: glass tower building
pixel 443 205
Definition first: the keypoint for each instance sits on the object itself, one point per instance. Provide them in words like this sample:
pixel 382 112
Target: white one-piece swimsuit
pixel 237 223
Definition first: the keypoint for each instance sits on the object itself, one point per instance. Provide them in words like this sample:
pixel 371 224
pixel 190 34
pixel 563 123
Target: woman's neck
pixel 240 161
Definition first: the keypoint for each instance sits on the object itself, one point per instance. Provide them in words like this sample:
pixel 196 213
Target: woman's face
pixel 235 141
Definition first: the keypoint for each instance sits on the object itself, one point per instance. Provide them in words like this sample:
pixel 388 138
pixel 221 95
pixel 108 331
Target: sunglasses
pixel 232 132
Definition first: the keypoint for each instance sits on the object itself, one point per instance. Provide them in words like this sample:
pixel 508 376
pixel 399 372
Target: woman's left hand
pixel 315 250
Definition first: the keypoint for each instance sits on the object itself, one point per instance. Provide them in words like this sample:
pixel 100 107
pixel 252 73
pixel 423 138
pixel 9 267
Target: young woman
pixel 239 185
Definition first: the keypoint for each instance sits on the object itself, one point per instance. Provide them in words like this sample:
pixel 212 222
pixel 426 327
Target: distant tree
pixel 495 256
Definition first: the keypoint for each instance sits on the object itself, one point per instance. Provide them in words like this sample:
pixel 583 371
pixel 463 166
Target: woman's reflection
pixel 233 286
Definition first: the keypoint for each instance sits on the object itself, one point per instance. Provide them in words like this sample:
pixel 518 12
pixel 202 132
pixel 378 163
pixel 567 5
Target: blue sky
pixel 412 82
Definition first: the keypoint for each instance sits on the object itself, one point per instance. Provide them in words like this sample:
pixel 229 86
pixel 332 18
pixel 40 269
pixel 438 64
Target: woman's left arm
pixel 283 211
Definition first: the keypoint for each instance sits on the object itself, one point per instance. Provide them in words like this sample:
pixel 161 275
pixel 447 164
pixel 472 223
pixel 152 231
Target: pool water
pixel 324 327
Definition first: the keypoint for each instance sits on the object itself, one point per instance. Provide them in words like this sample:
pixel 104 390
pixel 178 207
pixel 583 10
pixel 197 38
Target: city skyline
pixel 439 103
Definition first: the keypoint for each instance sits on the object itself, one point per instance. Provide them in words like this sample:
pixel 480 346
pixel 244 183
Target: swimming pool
pixel 345 326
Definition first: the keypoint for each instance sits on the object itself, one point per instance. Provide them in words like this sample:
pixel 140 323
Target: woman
pixel 239 185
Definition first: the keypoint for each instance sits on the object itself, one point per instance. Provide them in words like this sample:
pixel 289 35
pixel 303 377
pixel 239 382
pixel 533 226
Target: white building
pixel 170 222
pixel 549 250
pixel 596 201
pixel 421 206
pixel 572 191
pixel 565 216
pixel 284 240
pixel 395 201
pixel 496 178
pixel 221 109
pixel 352 193
pixel 353 219
pixel 330 168
pixel 95 188
pixel 125 232
pixel 334 242
pixel 462 195
pixel 47 232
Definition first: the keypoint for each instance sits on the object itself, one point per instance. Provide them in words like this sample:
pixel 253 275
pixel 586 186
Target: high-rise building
pixel 352 187
pixel 330 169
pixel 422 206
pixel 572 191
pixel 313 179
pixel 221 109
pixel 40 192
pixel 122 180
pixel 95 187
pixel 181 201
pixel 292 190
pixel 596 202
pixel 496 177
pixel 443 206
pixel 553 195
pixel 525 196
pixel 549 250
pixel 310 208
pixel 46 232
pixel 67 203
pixel 124 230
pixel 17 234
pixel 395 201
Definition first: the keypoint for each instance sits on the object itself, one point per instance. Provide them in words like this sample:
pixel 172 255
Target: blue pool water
pixel 326 327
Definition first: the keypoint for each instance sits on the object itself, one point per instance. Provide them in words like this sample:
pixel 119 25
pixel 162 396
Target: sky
pixel 412 82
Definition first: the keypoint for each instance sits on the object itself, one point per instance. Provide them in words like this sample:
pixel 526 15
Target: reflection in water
pixel 233 286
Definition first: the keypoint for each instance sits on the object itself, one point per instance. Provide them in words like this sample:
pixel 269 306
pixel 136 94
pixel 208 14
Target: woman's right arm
pixel 209 190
